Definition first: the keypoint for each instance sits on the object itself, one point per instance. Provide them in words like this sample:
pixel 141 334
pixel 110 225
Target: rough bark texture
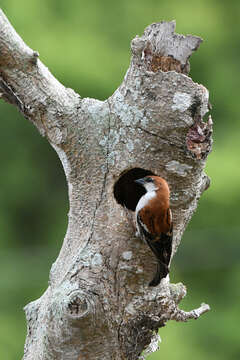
pixel 98 304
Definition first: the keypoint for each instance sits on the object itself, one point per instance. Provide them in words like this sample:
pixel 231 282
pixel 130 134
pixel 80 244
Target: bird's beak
pixel 140 181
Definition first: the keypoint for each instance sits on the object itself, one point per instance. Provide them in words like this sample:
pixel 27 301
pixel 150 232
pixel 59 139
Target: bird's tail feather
pixel 162 272
pixel 162 249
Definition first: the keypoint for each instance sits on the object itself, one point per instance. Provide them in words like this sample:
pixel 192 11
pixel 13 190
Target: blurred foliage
pixel 86 46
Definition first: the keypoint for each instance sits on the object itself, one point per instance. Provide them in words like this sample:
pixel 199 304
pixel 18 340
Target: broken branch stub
pixel 162 49
pixel 98 304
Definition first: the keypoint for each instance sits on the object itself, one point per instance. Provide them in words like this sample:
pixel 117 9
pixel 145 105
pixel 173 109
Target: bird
pixel 154 222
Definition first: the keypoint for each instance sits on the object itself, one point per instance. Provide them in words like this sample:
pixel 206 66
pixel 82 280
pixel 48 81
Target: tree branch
pixel 98 304
pixel 26 83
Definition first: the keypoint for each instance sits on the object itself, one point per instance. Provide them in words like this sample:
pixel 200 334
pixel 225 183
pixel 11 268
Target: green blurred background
pixel 85 43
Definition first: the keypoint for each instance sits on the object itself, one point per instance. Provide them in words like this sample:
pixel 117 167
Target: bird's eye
pixel 148 179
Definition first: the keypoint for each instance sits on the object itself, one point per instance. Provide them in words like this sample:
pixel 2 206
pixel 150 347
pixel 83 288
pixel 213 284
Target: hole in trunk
pixel 126 191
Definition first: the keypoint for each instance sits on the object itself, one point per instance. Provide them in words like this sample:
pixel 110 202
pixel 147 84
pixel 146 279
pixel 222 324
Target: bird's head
pixel 147 182
pixel 152 183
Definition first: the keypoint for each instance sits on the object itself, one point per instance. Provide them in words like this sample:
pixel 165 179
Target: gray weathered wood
pixel 98 304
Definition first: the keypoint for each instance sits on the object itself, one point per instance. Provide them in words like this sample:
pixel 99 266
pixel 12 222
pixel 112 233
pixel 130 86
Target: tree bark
pixel 98 304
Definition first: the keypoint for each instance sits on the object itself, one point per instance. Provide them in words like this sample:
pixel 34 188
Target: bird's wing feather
pixel 161 246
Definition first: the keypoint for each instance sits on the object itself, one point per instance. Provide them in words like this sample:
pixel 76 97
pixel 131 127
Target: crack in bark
pixel 119 334
pixel 182 148
pixel 9 95
pixel 116 283
pixel 98 202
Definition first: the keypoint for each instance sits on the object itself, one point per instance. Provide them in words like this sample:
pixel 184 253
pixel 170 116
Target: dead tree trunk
pixel 98 304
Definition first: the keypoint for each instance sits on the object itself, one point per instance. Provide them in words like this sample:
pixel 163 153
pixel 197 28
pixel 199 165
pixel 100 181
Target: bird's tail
pixel 162 250
pixel 162 272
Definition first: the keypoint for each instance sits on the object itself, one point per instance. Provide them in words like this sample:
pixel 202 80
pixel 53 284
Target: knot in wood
pixel 78 305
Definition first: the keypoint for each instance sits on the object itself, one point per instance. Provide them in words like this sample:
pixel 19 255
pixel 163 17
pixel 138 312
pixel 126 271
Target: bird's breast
pixel 145 199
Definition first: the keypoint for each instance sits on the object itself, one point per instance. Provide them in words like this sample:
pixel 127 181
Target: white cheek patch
pixel 149 186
